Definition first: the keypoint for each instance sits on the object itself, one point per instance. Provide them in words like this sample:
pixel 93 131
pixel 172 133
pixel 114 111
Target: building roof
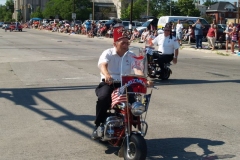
pixel 221 6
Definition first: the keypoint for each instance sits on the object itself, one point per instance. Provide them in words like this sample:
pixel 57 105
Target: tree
pixel 37 13
pixel 187 8
pixel 139 7
pixel 209 2
pixel 208 18
pixel 6 11
pixel 65 8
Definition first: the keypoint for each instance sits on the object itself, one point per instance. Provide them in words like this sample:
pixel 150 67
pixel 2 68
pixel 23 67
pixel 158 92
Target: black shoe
pixel 94 134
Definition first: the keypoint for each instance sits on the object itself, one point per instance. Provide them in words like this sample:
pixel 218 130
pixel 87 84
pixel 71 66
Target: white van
pixel 166 19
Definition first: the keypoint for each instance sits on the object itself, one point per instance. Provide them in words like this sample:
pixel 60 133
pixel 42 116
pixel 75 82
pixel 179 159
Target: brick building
pixel 221 11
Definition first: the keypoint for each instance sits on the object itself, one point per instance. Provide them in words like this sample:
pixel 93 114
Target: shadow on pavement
pixel 157 148
pixel 25 97
pixel 158 82
pixel 175 148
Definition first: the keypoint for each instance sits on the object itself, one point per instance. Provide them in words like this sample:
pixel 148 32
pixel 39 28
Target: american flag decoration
pixel 121 90
pixel 118 96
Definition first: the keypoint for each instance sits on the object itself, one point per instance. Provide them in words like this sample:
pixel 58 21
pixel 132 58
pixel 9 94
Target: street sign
pixel 73 15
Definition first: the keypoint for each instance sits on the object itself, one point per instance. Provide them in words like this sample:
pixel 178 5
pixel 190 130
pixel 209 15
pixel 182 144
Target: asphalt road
pixel 47 83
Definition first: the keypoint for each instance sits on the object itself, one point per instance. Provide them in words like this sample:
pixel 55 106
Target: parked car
pixel 84 23
pixel 102 21
pixel 112 22
pixel 78 22
pixel 1 24
pixel 220 32
pixel 148 24
pixel 16 27
pixel 135 24
pixel 7 27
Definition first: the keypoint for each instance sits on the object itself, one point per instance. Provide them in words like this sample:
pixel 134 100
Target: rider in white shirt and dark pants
pixel 167 46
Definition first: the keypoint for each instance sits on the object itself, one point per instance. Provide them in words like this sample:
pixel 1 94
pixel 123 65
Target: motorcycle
pixel 154 71
pixel 125 126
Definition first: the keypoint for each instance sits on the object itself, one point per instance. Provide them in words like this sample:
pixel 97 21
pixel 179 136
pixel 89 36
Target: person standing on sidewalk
pixel 198 33
pixel 238 34
pixel 234 38
pixel 179 32
pixel 212 36
pixel 88 25
pixel 228 38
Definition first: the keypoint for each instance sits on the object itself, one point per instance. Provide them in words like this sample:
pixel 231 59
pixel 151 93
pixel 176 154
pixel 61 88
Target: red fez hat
pixel 118 32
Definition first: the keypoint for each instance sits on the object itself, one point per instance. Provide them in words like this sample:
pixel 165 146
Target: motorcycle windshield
pixel 134 70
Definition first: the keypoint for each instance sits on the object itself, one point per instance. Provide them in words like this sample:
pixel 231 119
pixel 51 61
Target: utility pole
pixel 238 11
pixel 131 12
pixel 147 7
pixel 170 7
pixel 74 12
pixel 74 6
pixel 93 10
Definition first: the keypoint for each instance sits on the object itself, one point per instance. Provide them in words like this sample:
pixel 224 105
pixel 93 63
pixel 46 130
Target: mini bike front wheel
pixel 137 148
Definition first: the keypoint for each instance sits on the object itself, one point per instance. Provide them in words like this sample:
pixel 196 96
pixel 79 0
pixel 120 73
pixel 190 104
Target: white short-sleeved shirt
pixel 179 28
pixel 166 45
pixel 114 62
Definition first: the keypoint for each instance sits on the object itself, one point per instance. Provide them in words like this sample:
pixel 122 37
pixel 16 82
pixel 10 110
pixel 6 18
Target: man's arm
pixel 103 68
pixel 140 72
pixel 175 56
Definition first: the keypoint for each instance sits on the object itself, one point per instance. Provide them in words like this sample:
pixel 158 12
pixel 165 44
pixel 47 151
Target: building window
pixel 113 9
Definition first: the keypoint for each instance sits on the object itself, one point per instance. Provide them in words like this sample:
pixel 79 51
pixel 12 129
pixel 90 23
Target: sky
pixel 2 2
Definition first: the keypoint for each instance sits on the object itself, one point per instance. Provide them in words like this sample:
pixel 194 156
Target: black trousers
pixel 165 58
pixel 103 92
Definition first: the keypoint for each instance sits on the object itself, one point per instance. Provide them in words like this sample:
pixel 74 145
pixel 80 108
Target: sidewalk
pixel 185 46
pixel 207 50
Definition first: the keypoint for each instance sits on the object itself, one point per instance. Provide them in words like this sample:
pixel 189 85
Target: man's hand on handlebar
pixel 150 83
pixel 108 79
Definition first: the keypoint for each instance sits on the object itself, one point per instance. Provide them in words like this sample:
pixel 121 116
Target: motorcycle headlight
pixel 137 108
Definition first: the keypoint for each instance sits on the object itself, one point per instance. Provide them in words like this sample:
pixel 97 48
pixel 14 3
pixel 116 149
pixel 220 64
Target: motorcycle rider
pixel 110 67
pixel 168 46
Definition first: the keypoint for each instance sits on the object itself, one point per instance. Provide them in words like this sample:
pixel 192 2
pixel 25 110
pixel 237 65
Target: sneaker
pixel 94 134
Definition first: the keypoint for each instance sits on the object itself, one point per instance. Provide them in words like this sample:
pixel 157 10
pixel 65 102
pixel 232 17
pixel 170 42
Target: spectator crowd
pixel 192 32
pixel 92 29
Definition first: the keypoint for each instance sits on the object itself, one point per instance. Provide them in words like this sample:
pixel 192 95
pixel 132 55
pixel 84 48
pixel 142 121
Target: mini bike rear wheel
pixel 165 75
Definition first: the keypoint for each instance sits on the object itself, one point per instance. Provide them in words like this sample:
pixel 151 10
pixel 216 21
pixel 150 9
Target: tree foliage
pixel 208 18
pixel 209 2
pixel 38 13
pixel 160 8
pixel 64 9
pixel 187 8
pixel 6 11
